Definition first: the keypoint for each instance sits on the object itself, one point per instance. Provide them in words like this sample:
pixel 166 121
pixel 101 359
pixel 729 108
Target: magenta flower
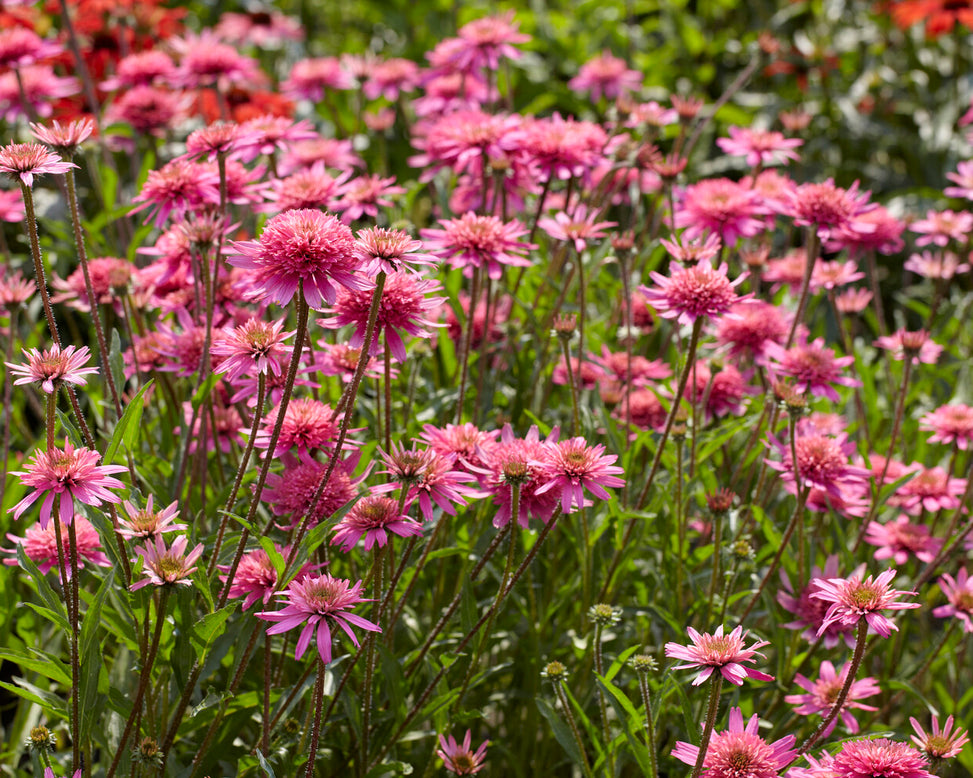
pixel 291 492
pixel 717 651
pixel 578 228
pixel 308 425
pixel 256 576
pixel 856 598
pixel 167 566
pixel 177 188
pixel 950 424
pixel 563 148
pixel 362 195
pixel 691 292
pixel 147 523
pixel 390 250
pixel 751 326
pixel 822 463
pixel 916 345
pixel 739 751
pixel 462 759
pixel 941 743
pixel 829 208
pixel 39 85
pixel 303 248
pixel 898 540
pixel 20 46
pixel 878 758
pixel 53 367
pixel 466 442
pixel 810 611
pixel 255 347
pixel 702 248
pixel 479 241
pixel 311 79
pixel 959 592
pixel 390 77
pixel 72 473
pixel 40 545
pixel 760 147
pixel 64 138
pixel 429 476
pixel 140 69
pixel 25 160
pixel 488 39
pixel 571 466
pixel 316 603
pixel 822 694
pixel 964 177
pixel 932 489
pixel 606 75
pixel 812 366
pixel 721 206
pixel 373 517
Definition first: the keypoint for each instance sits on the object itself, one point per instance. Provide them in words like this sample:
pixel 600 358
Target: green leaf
pixel 116 362
pixel 562 733
pixel 631 722
pixel 56 609
pixel 46 664
pixel 265 765
pixel 51 703
pixel 127 429
pixel 208 628
pixel 275 557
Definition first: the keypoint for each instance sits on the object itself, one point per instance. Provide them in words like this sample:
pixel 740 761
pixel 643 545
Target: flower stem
pixel 377 567
pixel 649 724
pixel 316 704
pixel 714 705
pixel 468 343
pixel 35 252
pixel 575 416
pixel 573 724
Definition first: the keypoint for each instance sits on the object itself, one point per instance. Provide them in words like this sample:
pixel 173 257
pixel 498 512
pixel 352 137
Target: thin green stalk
pixel 649 724
pixel 573 724
pixel 464 358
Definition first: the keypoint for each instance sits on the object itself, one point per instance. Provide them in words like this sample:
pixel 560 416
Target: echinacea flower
pixel 899 539
pixel 74 474
pixel 578 228
pixel 52 367
pixel 716 651
pixel 167 566
pixel 950 424
pixel 462 759
pixel 759 147
pixel 959 592
pixel 877 758
pixel 316 603
pixel 40 545
pixel 390 250
pixel 691 292
pixel 823 693
pixel 64 138
pixel 857 598
pixel 23 161
pixel 473 241
pixel 813 366
pixel 605 74
pixel 256 577
pixel 429 477
pixel 292 492
pixel 916 345
pixel 572 466
pixel 940 743
pixel 720 206
pixel 147 523
pixel 373 517
pixel 822 463
pixel 254 347
pixel 739 751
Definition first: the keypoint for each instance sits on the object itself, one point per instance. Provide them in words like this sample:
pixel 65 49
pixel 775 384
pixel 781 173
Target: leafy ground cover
pixel 561 391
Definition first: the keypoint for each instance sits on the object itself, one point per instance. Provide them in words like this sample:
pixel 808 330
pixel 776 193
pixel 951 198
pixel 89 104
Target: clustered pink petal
pixel 52 367
pixel 940 743
pixel 691 292
pixel 823 693
pixel 856 598
pixel 167 566
pixel 760 147
pixel 253 348
pixel 25 160
pixel 950 424
pixel 959 592
pixel 572 466
pixel 877 758
pixel 473 241
pixel 40 545
pixel 716 651
pixel 606 75
pixel 462 759
pixel 147 523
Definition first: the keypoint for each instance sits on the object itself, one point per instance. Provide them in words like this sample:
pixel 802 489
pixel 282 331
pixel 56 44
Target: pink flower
pixel 941 743
pixel 167 566
pixel 255 347
pixel 291 492
pixel 40 545
pixel 932 489
pixel 143 68
pixel 760 147
pixel 853 300
pixel 53 367
pixel 917 345
pixel 20 46
pixel 461 759
pixel 147 523
pixel 177 188
pixel 390 77
pixel 877 758
pixel 572 466
pixel 651 114
pixel 318 603
pixel 812 366
pixel 361 196
pixel 717 651
pixel 479 241
pixel 698 249
pixel 873 230
pixel 464 140
pixel 488 39
pixel 964 177
pixel 822 694
pixel 373 517
pixel 149 109
pixel 829 208
pixel 308 426
pixel 899 539
pixel 429 477
pixel 255 578
pixel 750 326
pixel 466 442
pixel 721 206
pixel 605 74
pixel 41 87
pixel 831 275
pixel 691 292
pixel 959 592
pixel 822 463
pixel 936 265
pixel 331 152
pixel 739 751
pixel 950 424
pixel 64 138
pixel 74 475
pixel 302 248
pixel 25 160
pixel 939 227
pixel 579 228
pixel 311 79
pixel 390 250
pixel 856 598
pixel 206 61
pixel 563 148
pixel 811 611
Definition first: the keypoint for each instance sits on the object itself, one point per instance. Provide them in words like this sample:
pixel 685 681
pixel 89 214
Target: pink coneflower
pixel 606 75
pixel 852 301
pixel 12 206
pixel 268 134
pixel 723 390
pixel 111 279
pixel 291 492
pixel 462 759
pixel 255 578
pixel 52 367
pixel 750 326
pixel 311 79
pixel 20 46
pixel 829 208
pixel 878 758
pixel 206 61
pixel 307 427
pixel 831 275
pixel 177 188
pixel 964 177
pixel 874 230
pixel 64 138
pixel 959 592
pixel 181 347
pixel 588 373
pixel 689 250
pixel 341 359
pixel 760 147
pixel 302 248
pixel 739 751
pixel 15 290
pixel 488 39
pixel 220 138
pixel 645 409
pixel 940 227
pixel 74 474
pixel 787 270
pixel 255 347
pixel 373 517
pixel 822 694
pixel 691 292
pixel 571 466
pixel 643 370
pixel 932 489
pixel 144 68
pixel 220 428
pixel 466 442
pixel 563 148
pixel 428 476
pixel 856 598
pixel 40 545
pixel 822 463
pixel 263 29
pixel 312 187
pixel 147 523
pixel 149 109
pixel 316 603
pixel 916 344
pixel 331 152
pixel 717 651
pixel 463 141
pixel 940 743
pixel 650 114
pixel 899 539
pixel 403 307
pixel 362 196
pixel 475 241
pixel 578 228
pixel 167 566
pixel 811 612
pixel 390 250
pixel 936 265
pixel 813 367
pixel 720 206
pixel 23 161
pixel 41 87
pixel 391 77
pixel 950 424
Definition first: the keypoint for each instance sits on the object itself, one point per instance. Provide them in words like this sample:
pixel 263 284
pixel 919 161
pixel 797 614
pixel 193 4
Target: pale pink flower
pixel 831 275
pixel 41 87
pixel 341 359
pixel 254 347
pixel 316 603
pixel 811 612
pixel 488 39
pixel 207 61
pixel 857 598
pixel 959 592
pixel 473 241
pixel 12 206
pixel 760 147
pixel 724 390
pixel 362 196
pixel 263 29
pixel 873 230
pixel 940 227
pixel 651 114
pixel 167 566
pixel 74 474
pixel 606 75
pixel 333 153
pixel 852 300
pixel 720 206
pixel 64 138
pixel 899 539
pixel 23 161
pixel 311 79
pixel 750 326
pixel 950 424
pixel 462 759
pixel 932 489
pixel 373 517
pixel 940 743
pixel 52 367
pixel 571 466
pixel 823 693
pixel 147 523
pixel 916 344
pixel 390 250
pixel 698 249
pixel 645 408
pixel 936 265
pixel 716 651
pixel 578 228
pixel 877 758
pixel 813 367
pixel 690 292
pixel 144 68
pixel 40 545
pixel 391 77
pixel 304 249
pixel 964 177
pixel 112 278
